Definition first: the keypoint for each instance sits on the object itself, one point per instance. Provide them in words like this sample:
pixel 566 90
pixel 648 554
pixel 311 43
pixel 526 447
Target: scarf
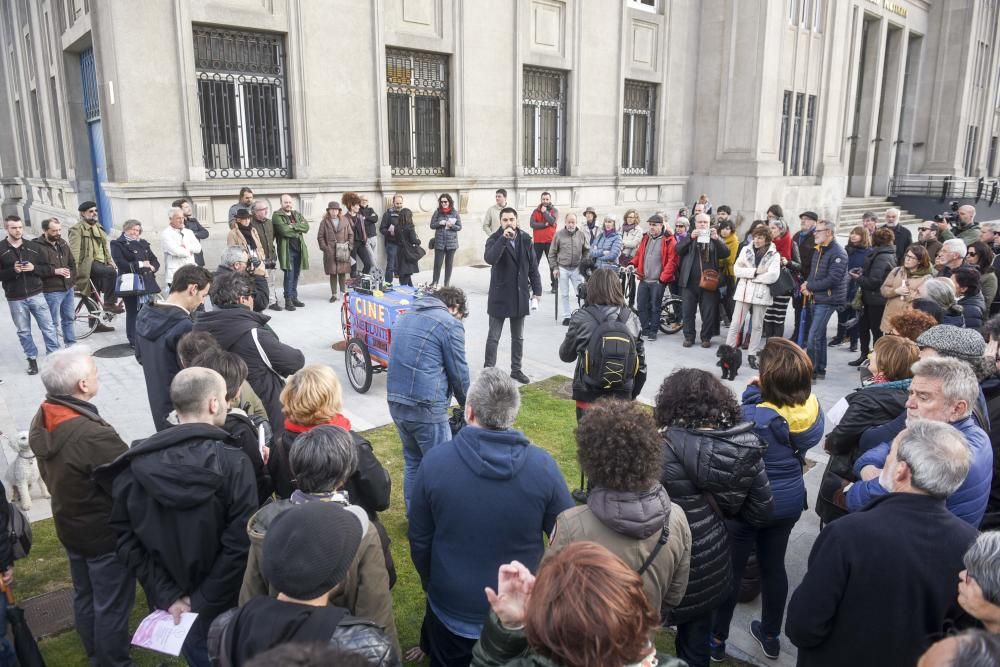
pixel 247 232
pixel 784 245
pixel 626 228
pixel 608 233
pixel 336 420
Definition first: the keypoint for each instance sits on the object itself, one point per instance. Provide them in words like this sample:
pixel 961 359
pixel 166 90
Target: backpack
pixel 611 359
pixel 19 528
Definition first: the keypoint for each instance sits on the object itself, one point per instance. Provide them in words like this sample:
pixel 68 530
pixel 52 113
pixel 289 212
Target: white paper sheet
pixel 157 632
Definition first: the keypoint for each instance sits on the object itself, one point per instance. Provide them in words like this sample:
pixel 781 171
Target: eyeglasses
pixel 443 201
pixel 972 253
pixel 910 257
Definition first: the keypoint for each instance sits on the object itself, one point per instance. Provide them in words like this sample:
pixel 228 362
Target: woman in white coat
pixel 756 269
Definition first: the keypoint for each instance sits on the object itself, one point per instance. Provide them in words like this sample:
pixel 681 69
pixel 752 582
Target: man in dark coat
pixel 514 281
pixel 902 235
pixel 182 500
pixel 699 252
pixel 239 329
pixel 158 328
pixel 71 439
pixel 885 610
pixel 826 287
pixel 805 240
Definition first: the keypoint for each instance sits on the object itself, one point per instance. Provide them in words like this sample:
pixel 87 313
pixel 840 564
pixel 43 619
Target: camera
pixel 949 216
pixel 252 264
pixel 269 264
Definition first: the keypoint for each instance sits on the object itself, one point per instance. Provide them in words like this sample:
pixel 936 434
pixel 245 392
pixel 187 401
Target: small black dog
pixel 730 360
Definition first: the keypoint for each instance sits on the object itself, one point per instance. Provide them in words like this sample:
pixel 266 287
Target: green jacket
pixel 85 241
pixel 286 228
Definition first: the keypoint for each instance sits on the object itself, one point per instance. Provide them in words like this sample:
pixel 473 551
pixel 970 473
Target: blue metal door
pixel 92 112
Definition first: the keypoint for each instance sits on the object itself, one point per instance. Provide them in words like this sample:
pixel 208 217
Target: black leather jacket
pixel 869 406
pixel 581 328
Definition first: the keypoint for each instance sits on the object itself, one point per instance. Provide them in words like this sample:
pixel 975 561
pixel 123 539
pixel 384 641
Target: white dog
pixel 22 474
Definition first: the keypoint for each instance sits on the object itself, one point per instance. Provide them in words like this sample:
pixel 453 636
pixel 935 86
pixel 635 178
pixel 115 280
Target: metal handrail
pixel 944 186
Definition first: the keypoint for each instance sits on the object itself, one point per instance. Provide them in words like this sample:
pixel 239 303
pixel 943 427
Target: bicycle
pixel 90 312
pixel 671 317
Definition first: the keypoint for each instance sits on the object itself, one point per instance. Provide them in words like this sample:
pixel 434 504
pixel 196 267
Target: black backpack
pixel 611 359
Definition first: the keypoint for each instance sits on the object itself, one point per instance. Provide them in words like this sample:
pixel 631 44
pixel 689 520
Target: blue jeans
pixel 391 249
pixel 816 342
pixel 21 311
pixel 292 275
pixel 418 438
pixel 650 297
pixel 61 309
pixel 103 595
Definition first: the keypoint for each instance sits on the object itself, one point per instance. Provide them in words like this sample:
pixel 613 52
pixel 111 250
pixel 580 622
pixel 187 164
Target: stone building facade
pixel 607 103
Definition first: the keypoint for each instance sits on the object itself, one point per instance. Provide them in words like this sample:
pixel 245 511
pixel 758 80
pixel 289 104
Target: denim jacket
pixel 427 362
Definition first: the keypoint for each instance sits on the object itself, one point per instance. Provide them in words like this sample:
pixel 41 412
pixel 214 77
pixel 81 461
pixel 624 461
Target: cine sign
pixel 369 310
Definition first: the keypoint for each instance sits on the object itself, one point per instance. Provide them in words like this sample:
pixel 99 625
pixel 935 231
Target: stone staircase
pixel 854 207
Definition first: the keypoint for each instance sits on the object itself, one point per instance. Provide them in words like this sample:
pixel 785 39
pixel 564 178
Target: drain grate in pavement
pixel 50 613
pixel 115 351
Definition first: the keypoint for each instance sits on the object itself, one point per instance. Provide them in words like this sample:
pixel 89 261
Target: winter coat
pixel 446 238
pixel 890 568
pixel 988 287
pixel 59 256
pixel 390 219
pixel 265 232
pixel 407 262
pixel 329 235
pixel 828 278
pixel 879 263
pixel 236 238
pixel 973 310
pixel 480 500
pixel 491 221
pixel 179 248
pixel 894 303
pixel 904 239
pixel 582 325
pixel 182 500
pixel 605 250
pixel 789 432
pixel 805 243
pixel 289 227
pixel 932 247
pixel 668 260
pixel 991 390
pixel 513 277
pixel 568 249
pixel 728 467
pixel 692 263
pixel 261 293
pixel 543 224
pixel 428 363
pixel 17 286
pixel 630 524
pixel 232 327
pixel 755 280
pixel 127 254
pixel 158 329
pixel 631 238
pixel 856 257
pixel 70 439
pixel 263 623
pixel 868 406
pixel 370 218
pixel 86 241
pixel 365 590
pixel 733 243
pixel 200 233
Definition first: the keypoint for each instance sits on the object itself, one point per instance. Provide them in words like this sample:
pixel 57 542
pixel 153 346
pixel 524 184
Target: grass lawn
pixel 546 416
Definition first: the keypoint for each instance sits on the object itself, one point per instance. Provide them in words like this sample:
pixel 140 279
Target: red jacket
pixel 669 258
pixel 543 225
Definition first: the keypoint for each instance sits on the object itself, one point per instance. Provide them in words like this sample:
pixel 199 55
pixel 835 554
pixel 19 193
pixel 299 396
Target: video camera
pixel 371 283
pixel 950 216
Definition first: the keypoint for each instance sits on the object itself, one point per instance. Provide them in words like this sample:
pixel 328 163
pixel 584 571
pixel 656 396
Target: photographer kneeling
pixel 235 259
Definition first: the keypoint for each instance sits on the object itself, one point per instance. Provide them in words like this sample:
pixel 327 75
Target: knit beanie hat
pixel 309 548
pixel 952 341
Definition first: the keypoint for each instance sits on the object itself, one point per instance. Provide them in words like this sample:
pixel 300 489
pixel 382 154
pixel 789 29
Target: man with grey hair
pixel 950 257
pixel 904 237
pixel 389 228
pixel 702 251
pixel 979 582
pixel 970 648
pixel 943 390
pixel 480 500
pixel 261 223
pixel 180 245
pixel 70 440
pixel 566 252
pixel 235 259
pixel 907 592
pixel 182 499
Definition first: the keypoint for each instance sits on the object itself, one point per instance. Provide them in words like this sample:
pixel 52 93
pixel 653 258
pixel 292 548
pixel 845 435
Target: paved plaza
pixel 313 329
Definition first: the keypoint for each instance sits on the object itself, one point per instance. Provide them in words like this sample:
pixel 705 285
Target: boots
pixel 289 304
pixel 860 360
pixel 32 366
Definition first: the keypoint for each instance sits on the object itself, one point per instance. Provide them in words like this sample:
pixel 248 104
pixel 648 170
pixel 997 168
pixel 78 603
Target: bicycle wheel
pixel 86 316
pixel 670 317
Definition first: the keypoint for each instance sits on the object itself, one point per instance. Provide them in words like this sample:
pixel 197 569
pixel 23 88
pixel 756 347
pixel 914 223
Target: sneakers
pixel 32 366
pixel 565 321
pixel 717 649
pixel 769 644
pixel 520 377
pixel 651 336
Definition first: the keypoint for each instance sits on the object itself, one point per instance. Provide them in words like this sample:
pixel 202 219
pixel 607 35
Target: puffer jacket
pixel 582 325
pixel 879 263
pixel 827 278
pixel 263 623
pixel 728 467
pixel 605 250
pixel 630 524
pixel 755 280
pixel 869 406
pixel 973 309
pixel 365 590
pixel 789 431
pixel 445 238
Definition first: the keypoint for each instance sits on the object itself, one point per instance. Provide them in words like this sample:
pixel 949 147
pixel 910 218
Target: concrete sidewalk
pixel 313 329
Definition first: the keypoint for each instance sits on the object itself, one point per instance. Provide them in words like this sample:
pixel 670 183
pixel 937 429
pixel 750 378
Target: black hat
pixel 309 548
pixel 809 214
pixel 86 206
pixel 334 204
pixel 242 213
pixel 655 219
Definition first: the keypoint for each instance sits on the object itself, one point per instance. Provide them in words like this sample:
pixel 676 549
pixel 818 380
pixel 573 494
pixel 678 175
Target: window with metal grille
pixel 786 108
pixel 797 134
pixel 637 127
pixel 417 96
pixel 244 104
pixel 807 142
pixel 544 108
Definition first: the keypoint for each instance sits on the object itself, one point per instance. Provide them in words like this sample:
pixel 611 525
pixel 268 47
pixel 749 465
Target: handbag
pixel 431 244
pixel 418 252
pixel 709 280
pixel 784 285
pixel 342 252
pixel 130 284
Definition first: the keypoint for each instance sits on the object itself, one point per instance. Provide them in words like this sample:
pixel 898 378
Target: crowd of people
pixel 257 506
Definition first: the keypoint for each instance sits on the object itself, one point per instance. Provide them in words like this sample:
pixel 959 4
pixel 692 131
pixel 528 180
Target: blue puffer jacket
pixel 785 429
pixel 605 249
pixel 968 503
pixel 828 275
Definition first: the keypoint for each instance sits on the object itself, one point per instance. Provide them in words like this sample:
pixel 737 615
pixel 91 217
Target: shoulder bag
pixel 263 354
pixel 709 280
